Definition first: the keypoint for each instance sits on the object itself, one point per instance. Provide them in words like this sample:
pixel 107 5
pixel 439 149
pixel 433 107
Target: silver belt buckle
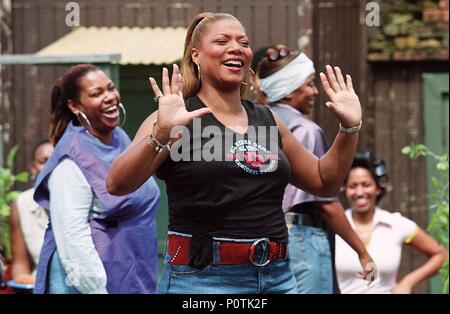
pixel 252 251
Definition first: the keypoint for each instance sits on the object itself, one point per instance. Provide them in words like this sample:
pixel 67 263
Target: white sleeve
pixel 71 199
pixel 406 227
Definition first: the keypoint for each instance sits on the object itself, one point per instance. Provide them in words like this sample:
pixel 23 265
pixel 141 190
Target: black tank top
pixel 238 194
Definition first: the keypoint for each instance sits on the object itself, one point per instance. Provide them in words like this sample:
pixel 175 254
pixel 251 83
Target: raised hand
pixel 172 110
pixel 343 101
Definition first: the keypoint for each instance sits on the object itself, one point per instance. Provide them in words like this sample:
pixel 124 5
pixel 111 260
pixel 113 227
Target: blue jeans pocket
pixel 321 243
pixel 187 270
pixel 310 258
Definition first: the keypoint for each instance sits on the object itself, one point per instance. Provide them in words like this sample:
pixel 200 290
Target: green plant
pixel 7 180
pixel 438 197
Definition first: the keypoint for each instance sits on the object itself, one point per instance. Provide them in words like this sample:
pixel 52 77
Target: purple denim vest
pixel 125 234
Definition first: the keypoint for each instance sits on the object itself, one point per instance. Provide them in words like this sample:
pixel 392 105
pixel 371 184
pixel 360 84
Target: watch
pixel 353 129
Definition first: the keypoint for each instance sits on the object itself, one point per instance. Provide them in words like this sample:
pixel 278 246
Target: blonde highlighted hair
pixel 195 32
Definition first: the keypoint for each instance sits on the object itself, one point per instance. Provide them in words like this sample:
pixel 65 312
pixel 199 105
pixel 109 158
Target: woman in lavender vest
pixel 95 242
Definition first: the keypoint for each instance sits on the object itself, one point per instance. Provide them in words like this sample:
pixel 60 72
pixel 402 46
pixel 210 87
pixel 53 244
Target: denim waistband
pixel 305 220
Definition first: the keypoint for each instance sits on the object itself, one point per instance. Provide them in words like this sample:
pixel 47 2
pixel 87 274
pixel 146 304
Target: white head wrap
pixel 286 80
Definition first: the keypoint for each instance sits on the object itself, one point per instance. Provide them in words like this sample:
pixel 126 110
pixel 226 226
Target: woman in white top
pixel 383 233
pixel 28 222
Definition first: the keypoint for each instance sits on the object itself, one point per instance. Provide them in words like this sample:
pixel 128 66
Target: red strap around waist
pixel 230 252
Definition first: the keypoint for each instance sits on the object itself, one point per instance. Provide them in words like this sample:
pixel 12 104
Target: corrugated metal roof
pixel 137 45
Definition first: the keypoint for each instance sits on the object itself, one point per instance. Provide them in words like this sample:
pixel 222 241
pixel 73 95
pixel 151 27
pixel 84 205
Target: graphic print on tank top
pixel 252 157
pixel 206 139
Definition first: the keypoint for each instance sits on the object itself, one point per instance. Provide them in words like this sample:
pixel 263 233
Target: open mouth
pixel 361 202
pixel 111 112
pixel 234 64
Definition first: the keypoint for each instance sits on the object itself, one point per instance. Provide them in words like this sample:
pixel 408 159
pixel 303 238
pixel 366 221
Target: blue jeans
pixel 276 278
pixel 309 252
pixel 57 278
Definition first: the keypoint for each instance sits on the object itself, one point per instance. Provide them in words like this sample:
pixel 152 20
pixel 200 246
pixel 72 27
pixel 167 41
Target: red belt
pixel 230 252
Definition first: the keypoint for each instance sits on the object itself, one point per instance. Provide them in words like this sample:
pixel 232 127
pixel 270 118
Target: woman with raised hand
pixel 96 242
pixel 226 163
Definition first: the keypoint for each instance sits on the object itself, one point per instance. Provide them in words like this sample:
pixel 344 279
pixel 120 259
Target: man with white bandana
pixel 287 79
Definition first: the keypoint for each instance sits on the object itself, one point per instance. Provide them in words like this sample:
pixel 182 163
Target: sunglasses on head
pixel 274 54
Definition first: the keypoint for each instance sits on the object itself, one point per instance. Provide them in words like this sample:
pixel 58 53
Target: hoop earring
pixel 253 79
pixel 124 113
pixel 82 118
pixel 199 74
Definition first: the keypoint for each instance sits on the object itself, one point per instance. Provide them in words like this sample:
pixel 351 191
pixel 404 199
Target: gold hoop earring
pixel 199 74
pixel 253 79
pixel 124 113
pixel 83 120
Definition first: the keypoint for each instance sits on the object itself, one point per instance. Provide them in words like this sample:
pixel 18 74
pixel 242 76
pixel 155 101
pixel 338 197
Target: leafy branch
pixel 7 196
pixel 439 223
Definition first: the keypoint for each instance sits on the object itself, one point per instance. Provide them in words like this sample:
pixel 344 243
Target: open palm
pixel 172 110
pixel 343 101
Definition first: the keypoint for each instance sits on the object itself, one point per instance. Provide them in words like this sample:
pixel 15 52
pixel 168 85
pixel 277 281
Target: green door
pixel 112 70
pixel 435 96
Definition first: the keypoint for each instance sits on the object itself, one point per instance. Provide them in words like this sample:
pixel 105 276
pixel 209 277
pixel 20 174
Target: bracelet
pixel 353 129
pixel 159 146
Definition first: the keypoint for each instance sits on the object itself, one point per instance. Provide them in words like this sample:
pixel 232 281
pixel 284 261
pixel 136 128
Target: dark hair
pixel 377 169
pixel 39 144
pixel 65 88
pixel 269 65
pixel 259 55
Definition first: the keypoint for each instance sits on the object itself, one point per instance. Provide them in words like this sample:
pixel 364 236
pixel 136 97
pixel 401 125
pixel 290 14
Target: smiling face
pixel 98 100
pixel 303 98
pixel 224 54
pixel 361 190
